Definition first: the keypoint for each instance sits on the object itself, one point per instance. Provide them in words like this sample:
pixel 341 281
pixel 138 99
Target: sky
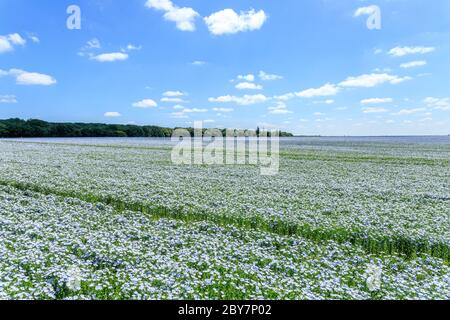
pixel 310 67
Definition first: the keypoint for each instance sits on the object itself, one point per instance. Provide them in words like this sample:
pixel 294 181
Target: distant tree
pixel 17 128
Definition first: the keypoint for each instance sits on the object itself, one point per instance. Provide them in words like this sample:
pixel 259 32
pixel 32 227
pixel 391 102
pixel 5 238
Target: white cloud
pixel 269 77
pixel 248 86
pixel 377 51
pixel 372 80
pixel 227 21
pixel 224 110
pixel 404 112
pixel 178 107
pixel 285 97
pixel 178 115
pixel 31 78
pixel 5 45
pixel 132 47
pixel 110 57
pixel 171 99
pixel 198 63
pixel 324 91
pixel 35 39
pixel 145 104
pixel 403 51
pixel 329 101
pixel 165 5
pixel 376 100
pixel 173 94
pixel 8 99
pixel 194 110
pixel 209 121
pixel 16 39
pixel 413 64
pixel 183 113
pixel 93 44
pixel 183 17
pixel 438 103
pixel 248 77
pixel 279 108
pixel 374 110
pixel 8 42
pixel 244 101
pixel 112 114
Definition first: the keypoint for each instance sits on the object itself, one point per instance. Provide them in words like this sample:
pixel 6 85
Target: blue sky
pixel 309 67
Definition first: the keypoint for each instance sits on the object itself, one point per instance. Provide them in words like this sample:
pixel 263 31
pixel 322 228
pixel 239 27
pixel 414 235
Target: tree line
pixel 18 128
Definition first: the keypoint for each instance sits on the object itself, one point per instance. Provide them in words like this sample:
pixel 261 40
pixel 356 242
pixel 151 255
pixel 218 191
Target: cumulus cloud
pixel 93 44
pixel 374 110
pixel 30 78
pixel 198 63
pixel 110 57
pixel 279 108
pixel 112 114
pixel 403 51
pixel 224 110
pixel 269 77
pixel 324 91
pixel 438 103
pixel 172 99
pixel 244 100
pixel 372 80
pixel 145 104
pixel 165 5
pixel 8 42
pixel 227 21
pixel 34 38
pixel 185 111
pixel 376 100
pixel 248 86
pixel 132 47
pixel 194 110
pixel 404 112
pixel 184 18
pixel 8 99
pixel 248 77
pixel 173 94
pixel 16 39
pixel 178 115
pixel 285 97
pixel 413 64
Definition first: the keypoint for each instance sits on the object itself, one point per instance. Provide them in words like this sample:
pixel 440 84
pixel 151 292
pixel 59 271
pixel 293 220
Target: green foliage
pixel 17 128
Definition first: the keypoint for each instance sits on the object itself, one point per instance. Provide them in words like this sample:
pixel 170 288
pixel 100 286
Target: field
pixel 115 219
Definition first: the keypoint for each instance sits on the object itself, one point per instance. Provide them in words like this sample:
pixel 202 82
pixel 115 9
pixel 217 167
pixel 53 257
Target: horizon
pixel 221 128
pixel 145 63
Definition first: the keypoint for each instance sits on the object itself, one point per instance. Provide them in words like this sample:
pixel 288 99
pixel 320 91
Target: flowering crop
pixel 103 219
